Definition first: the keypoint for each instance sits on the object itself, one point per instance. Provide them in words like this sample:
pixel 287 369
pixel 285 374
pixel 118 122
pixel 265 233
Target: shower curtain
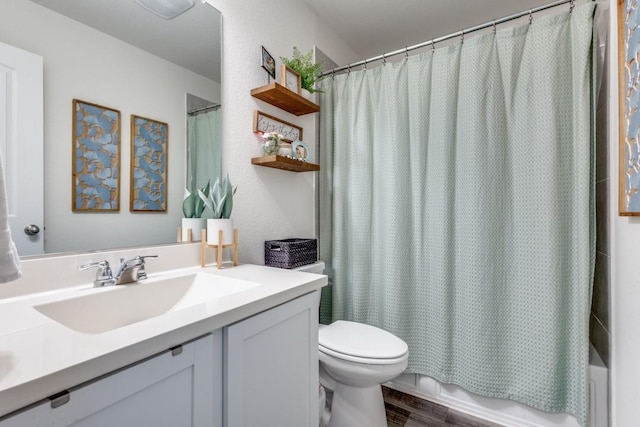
pixel 457 208
pixel 204 136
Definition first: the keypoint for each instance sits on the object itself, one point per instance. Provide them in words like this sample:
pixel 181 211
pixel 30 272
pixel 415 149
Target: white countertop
pixel 40 357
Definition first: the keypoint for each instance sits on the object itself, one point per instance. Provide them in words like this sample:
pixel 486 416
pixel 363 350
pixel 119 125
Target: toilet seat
pixel 360 343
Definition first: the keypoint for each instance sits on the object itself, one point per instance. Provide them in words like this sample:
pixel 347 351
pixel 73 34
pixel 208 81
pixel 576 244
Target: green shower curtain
pixel 457 208
pixel 204 132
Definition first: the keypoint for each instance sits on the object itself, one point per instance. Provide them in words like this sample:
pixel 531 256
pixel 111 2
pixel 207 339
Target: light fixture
pixel 167 9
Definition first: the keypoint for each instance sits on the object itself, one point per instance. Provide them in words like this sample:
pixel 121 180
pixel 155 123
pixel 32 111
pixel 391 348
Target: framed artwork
pixel 301 151
pixel 290 79
pixel 96 158
pixel 149 149
pixel 629 108
pixel 268 63
pixel 263 123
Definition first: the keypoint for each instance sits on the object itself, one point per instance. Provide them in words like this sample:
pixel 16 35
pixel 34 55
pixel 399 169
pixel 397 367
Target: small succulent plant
pixel 220 198
pixel 193 204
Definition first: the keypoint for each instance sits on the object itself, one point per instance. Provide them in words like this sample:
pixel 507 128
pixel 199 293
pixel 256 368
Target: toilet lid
pixel 360 340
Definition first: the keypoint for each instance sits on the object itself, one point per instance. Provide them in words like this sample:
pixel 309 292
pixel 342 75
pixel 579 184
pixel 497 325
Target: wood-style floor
pixel 404 410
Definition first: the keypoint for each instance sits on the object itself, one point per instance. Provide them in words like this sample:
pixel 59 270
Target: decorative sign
pixel 96 158
pixel 149 146
pixel 290 79
pixel 263 123
pixel 268 63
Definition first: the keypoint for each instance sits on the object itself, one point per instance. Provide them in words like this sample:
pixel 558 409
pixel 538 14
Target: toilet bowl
pixel 355 359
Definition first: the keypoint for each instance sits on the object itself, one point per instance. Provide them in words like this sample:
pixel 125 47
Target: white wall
pixel 625 277
pixel 269 203
pixel 82 63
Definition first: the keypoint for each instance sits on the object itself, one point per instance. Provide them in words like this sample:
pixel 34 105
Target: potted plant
pixel 192 207
pixel 303 65
pixel 272 142
pixel 220 201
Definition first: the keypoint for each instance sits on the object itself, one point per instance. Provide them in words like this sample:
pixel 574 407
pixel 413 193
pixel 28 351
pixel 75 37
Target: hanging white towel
pixel 9 259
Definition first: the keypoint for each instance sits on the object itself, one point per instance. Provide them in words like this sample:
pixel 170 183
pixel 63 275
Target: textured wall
pixel 269 203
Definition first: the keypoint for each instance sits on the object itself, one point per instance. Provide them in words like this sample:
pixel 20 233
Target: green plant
pixel 303 65
pixel 220 199
pixel 193 204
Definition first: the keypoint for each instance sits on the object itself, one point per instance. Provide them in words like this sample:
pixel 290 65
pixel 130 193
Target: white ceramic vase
pixel 215 225
pixel 308 95
pixel 195 225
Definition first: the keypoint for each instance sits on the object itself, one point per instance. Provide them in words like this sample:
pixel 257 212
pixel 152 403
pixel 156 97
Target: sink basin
pixel 119 306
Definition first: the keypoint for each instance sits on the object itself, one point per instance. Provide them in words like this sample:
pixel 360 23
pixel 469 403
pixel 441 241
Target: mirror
pixel 118 55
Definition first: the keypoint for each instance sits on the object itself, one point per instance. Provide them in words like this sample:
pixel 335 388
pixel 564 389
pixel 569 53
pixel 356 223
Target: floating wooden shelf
pixel 281 97
pixel 285 163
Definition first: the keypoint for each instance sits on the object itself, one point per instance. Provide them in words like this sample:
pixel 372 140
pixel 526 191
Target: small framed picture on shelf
pixel 290 79
pixel 268 63
pixel 301 151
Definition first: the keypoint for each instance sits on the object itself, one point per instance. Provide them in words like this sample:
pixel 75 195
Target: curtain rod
pixel 461 34
pixel 203 109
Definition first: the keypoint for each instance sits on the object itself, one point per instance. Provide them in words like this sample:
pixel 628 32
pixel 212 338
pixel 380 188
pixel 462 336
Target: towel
pixel 9 259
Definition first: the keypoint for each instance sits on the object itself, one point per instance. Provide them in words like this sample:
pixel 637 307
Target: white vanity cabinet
pixel 271 367
pixel 180 387
pixel 263 368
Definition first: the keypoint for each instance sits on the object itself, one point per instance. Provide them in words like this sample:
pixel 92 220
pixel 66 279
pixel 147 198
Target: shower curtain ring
pixel 333 74
pixel 433 45
pixel 494 27
pixel 530 16
pixel 365 65
pixel 348 70
pixel 571 6
pixel 384 59
pixel 462 36
pixel 406 52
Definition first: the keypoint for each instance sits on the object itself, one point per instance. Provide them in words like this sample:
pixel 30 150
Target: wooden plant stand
pixel 219 247
pixel 179 238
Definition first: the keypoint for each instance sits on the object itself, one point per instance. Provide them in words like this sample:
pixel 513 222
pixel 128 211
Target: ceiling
pixel 374 27
pixel 191 40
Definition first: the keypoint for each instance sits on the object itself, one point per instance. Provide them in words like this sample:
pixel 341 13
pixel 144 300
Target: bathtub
pixel 507 412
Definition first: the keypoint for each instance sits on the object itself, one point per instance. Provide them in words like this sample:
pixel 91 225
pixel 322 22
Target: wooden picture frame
pixel 263 122
pixel 290 79
pixel 629 111
pixel 96 140
pixel 149 172
pixel 268 63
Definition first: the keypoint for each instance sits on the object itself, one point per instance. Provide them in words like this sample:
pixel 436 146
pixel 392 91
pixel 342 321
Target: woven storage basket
pixel 290 253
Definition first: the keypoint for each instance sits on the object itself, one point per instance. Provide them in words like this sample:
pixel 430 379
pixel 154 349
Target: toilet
pixel 355 359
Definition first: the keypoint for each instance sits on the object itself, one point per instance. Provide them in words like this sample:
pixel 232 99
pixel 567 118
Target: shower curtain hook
pixel 494 27
pixel 365 65
pixel 384 59
pixel 462 36
pixel 348 70
pixel 433 46
pixel 333 74
pixel 571 6
pixel 530 16
pixel 406 52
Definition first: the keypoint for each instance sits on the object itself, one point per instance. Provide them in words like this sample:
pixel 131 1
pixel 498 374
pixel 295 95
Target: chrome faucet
pixel 130 271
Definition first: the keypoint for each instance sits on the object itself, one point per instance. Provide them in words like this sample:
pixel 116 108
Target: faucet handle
pixel 142 274
pixel 104 275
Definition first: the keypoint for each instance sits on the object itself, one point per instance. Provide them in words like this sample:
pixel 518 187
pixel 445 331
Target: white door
pixel 21 145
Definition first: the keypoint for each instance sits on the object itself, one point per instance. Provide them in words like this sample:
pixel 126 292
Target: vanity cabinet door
pixel 176 388
pixel 271 367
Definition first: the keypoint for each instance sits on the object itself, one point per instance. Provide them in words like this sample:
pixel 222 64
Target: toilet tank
pixel 317 267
